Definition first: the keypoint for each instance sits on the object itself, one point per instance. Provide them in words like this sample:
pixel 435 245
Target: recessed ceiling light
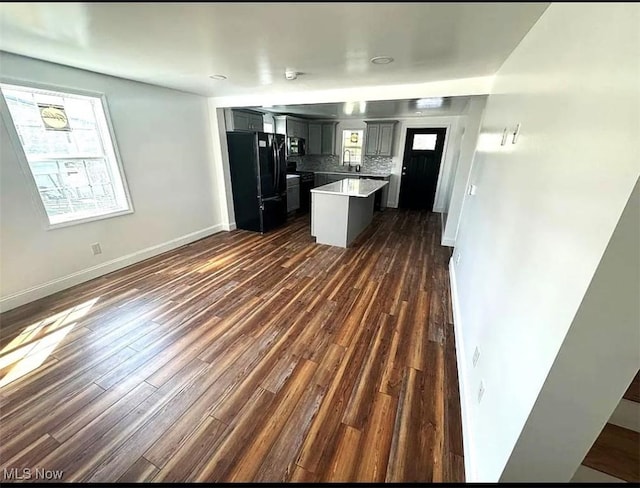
pixel 348 108
pixel 218 77
pixel 382 60
pixel 434 102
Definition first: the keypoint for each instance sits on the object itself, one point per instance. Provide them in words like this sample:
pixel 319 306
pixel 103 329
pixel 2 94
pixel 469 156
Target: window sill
pixel 89 219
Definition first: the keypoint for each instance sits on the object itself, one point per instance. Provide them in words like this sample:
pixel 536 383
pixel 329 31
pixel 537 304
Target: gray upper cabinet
pixel 379 138
pixel 328 138
pixel 314 143
pixel 322 138
pixel 372 138
pixel 291 127
pixel 245 120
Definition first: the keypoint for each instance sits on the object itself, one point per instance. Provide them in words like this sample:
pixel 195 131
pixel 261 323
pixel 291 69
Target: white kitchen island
pixel 340 211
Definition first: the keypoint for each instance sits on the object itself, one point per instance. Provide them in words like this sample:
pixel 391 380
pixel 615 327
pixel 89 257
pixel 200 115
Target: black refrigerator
pixel 258 179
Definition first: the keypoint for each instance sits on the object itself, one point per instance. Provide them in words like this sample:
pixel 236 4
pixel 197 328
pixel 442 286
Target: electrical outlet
pixel 96 249
pixel 458 256
pixel 476 356
pixel 480 391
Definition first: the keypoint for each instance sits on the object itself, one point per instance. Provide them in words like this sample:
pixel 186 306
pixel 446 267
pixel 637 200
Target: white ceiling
pixel 375 109
pixel 180 45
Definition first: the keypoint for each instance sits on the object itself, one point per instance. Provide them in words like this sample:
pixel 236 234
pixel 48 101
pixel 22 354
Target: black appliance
pixel 307 182
pixel 296 146
pixel 258 179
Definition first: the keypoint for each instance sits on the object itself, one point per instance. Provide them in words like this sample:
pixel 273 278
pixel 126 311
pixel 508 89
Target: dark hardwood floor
pixel 244 357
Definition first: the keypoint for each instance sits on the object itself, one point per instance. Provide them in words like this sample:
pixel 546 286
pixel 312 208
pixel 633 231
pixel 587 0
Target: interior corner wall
pixel 221 162
pixel 164 145
pixel 531 239
pixel 598 359
pixel 462 170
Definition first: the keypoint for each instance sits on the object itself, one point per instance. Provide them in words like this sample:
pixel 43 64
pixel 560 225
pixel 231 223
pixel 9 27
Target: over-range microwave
pixel 296 146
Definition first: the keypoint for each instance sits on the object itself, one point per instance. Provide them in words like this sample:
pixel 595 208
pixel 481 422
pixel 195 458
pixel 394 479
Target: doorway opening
pixel 420 168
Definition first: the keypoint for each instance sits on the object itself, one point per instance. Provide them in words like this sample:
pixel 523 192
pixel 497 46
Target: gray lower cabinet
pixel 379 138
pixel 322 138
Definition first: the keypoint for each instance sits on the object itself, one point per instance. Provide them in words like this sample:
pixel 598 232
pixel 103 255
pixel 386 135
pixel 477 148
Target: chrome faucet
pixel 345 159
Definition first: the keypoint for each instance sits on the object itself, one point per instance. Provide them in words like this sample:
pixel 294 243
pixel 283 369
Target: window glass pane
pixel 424 142
pixel 69 151
pixel 352 146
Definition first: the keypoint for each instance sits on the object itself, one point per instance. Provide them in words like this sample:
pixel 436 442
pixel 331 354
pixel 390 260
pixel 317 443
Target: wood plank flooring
pixel 616 452
pixel 244 357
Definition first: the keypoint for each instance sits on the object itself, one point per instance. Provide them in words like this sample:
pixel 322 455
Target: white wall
pixel 299 94
pixel 165 146
pixel 598 359
pixel 462 169
pixel 532 238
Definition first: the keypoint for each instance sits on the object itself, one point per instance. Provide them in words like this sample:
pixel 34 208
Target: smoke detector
pixel 291 74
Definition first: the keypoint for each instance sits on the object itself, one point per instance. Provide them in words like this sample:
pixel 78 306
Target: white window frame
pixel 343 145
pixel 24 163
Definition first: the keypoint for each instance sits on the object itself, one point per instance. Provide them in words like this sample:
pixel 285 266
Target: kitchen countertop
pixel 351 187
pixel 354 173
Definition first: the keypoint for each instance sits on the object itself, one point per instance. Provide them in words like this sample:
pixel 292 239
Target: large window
pixel 69 151
pixel 352 146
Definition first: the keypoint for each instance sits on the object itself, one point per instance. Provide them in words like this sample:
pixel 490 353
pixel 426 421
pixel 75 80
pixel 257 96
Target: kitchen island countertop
pixel 354 173
pixel 351 187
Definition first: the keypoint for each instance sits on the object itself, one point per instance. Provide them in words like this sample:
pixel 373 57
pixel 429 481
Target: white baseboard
pixel 40 291
pixel 461 359
pixel 229 226
pixel 627 415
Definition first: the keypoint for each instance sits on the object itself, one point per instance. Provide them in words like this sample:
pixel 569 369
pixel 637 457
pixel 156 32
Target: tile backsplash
pixel 370 164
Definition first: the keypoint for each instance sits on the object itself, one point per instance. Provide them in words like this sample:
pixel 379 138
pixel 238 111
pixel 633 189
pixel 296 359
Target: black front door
pixel 420 168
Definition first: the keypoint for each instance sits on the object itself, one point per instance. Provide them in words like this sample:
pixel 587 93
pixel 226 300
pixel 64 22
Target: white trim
pixel 444 241
pixel 627 415
pixel 229 226
pixel 34 293
pixel 448 242
pixel 469 458
pixel 93 218
pixel 109 152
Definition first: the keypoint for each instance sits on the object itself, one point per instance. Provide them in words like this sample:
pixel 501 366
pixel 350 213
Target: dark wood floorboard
pixel 633 392
pixel 617 453
pixel 244 357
